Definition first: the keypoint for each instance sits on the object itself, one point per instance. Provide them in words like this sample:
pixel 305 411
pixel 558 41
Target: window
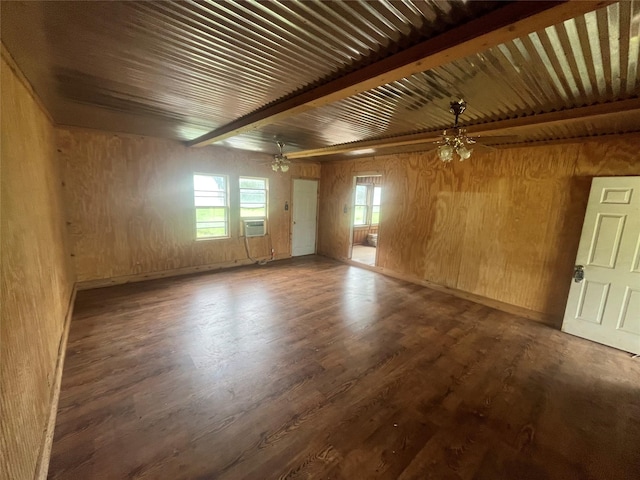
pixel 361 206
pixel 375 205
pixel 211 200
pixel 253 197
pixel 367 205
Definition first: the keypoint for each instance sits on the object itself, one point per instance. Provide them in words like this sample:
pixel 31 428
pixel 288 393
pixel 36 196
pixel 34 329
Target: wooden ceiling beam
pixel 572 115
pixel 514 20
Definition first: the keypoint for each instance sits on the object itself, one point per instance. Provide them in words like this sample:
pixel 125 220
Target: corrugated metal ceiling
pixel 181 69
pixel 583 61
pixel 202 64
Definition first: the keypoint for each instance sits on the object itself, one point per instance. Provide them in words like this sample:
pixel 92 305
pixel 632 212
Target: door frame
pixel 292 207
pixel 355 175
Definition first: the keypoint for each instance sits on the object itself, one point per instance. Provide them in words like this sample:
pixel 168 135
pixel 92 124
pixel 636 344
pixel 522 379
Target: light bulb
pixel 445 152
pixel 284 167
pixel 464 152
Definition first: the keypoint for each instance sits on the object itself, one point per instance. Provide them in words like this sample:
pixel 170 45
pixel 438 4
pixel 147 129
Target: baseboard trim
pixel 42 467
pixel 545 318
pixel 141 277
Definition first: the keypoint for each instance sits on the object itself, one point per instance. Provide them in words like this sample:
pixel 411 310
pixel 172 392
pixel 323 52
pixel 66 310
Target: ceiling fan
pixel 280 160
pixel 457 141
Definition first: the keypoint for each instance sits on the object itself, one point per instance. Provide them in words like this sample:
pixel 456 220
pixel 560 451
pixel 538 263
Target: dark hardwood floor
pixel 309 368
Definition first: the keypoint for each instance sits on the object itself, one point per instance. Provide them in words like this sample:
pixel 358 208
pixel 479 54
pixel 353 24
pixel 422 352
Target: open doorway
pixel 367 196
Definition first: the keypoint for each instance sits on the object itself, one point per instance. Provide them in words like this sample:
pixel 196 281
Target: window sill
pixel 204 239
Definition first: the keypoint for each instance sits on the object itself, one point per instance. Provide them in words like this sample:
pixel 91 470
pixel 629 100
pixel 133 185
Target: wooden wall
pixel 37 279
pixel 504 225
pixel 130 202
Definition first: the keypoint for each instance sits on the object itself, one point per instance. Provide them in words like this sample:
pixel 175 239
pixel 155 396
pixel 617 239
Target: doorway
pixel 304 218
pixel 367 196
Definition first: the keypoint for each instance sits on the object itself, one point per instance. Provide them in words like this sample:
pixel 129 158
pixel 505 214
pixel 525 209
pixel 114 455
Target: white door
pixel 605 305
pixel 305 206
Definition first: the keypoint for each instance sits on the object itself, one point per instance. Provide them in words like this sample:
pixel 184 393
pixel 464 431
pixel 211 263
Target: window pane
pixel 377 194
pixel 360 215
pixel 253 211
pixel 361 194
pixel 257 183
pixel 211 224
pixel 253 196
pixel 210 201
pixel 211 204
pixel 375 215
pixel 209 182
pixel 207 193
pixel 209 232
pixel 210 214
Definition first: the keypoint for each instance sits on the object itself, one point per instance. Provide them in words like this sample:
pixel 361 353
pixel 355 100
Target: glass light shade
pixel 464 152
pixel 274 166
pixel 445 152
pixel 284 167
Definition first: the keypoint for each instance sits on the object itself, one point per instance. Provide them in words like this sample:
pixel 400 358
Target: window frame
pixel 226 207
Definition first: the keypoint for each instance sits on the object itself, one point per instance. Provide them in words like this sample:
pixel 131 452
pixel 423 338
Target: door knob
pixel 578 273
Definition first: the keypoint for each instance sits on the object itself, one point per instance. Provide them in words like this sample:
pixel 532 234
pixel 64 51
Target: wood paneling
pixel 130 202
pixel 504 225
pixel 37 278
pixel 312 369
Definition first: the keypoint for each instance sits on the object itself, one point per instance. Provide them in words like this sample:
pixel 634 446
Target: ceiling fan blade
pixel 484 145
pixel 496 138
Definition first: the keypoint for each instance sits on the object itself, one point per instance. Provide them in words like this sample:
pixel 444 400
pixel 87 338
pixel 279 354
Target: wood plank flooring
pixel 310 369
pixel 364 254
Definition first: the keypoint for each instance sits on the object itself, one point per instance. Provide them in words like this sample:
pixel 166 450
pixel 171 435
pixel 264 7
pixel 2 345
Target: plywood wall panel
pixel 504 225
pixel 37 278
pixel 131 203
pixel 609 158
pixel 504 243
pixel 334 212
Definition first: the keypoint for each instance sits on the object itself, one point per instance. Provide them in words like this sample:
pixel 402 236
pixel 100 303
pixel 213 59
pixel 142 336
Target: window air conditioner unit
pixel 254 228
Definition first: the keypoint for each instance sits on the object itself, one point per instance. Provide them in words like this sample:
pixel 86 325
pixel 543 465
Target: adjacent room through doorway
pixel 366 218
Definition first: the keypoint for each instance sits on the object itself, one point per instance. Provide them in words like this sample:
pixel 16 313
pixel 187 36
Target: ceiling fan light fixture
pixel 280 161
pixel 464 152
pixel 458 141
pixel 445 152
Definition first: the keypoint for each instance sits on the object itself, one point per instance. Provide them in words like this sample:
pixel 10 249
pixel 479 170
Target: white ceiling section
pixel 319 74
